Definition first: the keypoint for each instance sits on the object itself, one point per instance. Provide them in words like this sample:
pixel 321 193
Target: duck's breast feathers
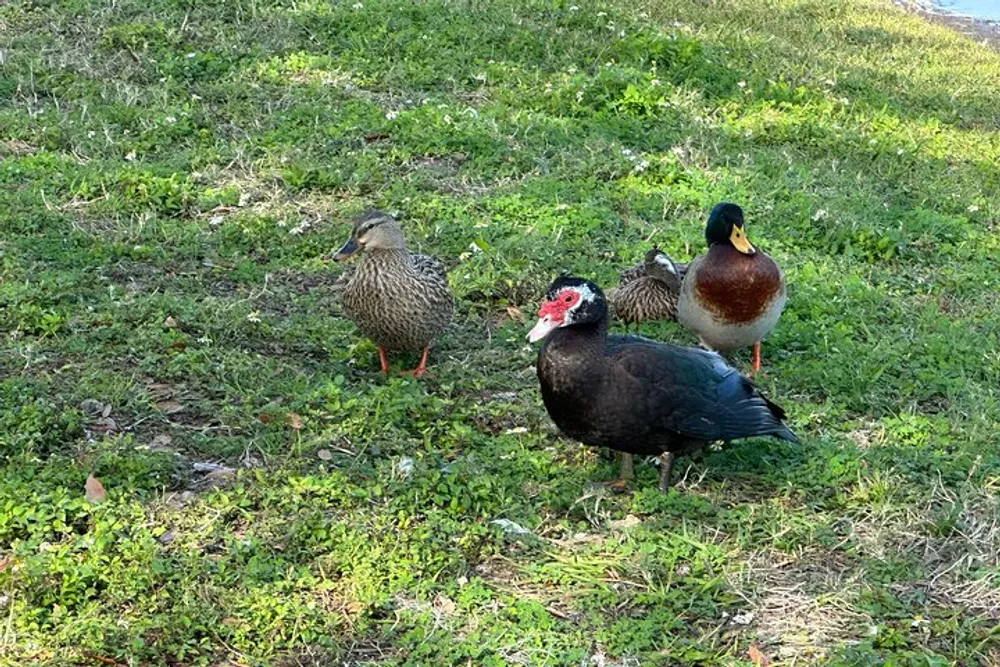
pixel 735 287
pixel 693 392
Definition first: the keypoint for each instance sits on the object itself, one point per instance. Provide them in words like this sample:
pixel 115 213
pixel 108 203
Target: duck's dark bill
pixel 347 249
pixel 542 329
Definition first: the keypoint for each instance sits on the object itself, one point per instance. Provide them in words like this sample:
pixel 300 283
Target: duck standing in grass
pixel 732 296
pixel 400 300
pixel 635 395
pixel 648 291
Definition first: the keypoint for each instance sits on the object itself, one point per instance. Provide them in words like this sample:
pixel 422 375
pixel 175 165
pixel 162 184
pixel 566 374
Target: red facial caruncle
pixel 552 314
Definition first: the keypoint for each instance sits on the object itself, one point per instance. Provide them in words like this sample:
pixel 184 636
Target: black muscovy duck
pixel 633 394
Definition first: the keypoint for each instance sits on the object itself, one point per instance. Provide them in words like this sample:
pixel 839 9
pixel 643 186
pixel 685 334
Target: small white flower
pixel 474 248
pixel 130 156
pixel 972 208
pixel 627 153
pixel 447 119
pixel 899 151
pixel 405 466
pixel 253 317
pixel 574 8
pixel 480 77
pixel 300 228
pixel 91 134
pixel 640 166
pixel 357 5
pixel 654 82
pixel 742 84
pixel 205 340
pixel 579 96
pixel 819 215
pixel 599 14
pixel 190 55
pixel 621 33
pixel 747 134
pixel 390 115
pixel 845 101
pixel 170 119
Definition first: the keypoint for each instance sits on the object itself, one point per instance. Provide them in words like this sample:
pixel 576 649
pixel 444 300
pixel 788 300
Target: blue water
pixel 988 10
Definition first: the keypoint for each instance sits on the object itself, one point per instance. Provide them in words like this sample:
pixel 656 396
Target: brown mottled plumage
pixel 648 291
pixel 398 299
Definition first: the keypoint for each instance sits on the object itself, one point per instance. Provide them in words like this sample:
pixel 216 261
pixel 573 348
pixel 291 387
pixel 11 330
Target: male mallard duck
pixel 648 291
pixel 733 296
pixel 635 395
pixel 400 300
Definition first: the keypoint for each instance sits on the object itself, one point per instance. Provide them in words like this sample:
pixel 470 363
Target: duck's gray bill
pixel 347 249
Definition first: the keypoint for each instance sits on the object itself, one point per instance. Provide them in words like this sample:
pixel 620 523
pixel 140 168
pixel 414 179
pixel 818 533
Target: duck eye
pixel 568 298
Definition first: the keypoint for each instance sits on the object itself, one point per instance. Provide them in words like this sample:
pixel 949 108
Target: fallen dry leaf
pixel 294 420
pixel 630 521
pixel 169 407
pixel 515 314
pixel 324 454
pixel 758 658
pixel 170 322
pixel 265 418
pixel 94 490
pixel 159 391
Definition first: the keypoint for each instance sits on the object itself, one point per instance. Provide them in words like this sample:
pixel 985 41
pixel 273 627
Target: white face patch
pixel 665 262
pixel 586 294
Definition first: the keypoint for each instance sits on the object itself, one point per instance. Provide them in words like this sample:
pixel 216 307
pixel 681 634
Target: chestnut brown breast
pixel 737 288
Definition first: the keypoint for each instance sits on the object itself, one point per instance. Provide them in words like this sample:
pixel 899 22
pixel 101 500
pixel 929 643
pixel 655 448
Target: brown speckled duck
pixel 400 300
pixel 648 291
pixel 732 296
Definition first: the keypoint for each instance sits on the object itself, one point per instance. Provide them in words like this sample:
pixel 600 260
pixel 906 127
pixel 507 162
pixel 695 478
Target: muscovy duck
pixel 733 296
pixel 636 395
pixel 400 300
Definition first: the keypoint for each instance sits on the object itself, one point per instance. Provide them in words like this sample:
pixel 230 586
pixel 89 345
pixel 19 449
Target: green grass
pixel 171 174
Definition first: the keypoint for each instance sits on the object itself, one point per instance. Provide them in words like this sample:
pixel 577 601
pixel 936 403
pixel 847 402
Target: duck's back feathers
pixel 646 292
pixel 644 299
pixel 694 393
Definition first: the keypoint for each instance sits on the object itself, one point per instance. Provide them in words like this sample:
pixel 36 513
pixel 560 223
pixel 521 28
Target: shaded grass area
pixel 171 174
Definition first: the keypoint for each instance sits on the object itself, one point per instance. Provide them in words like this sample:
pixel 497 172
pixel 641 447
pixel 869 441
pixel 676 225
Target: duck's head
pixel 569 301
pixel 372 229
pixel 725 226
pixel 659 265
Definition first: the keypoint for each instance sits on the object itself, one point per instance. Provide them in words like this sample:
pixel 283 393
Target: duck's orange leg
pixel 421 367
pixel 756 359
pixel 382 359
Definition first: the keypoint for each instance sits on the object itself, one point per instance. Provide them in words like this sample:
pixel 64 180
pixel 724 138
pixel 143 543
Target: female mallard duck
pixel 733 296
pixel 648 291
pixel 635 395
pixel 400 300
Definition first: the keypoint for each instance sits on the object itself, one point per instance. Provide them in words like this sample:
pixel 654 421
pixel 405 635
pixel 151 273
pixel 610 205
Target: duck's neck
pixel 582 342
pixel 387 258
